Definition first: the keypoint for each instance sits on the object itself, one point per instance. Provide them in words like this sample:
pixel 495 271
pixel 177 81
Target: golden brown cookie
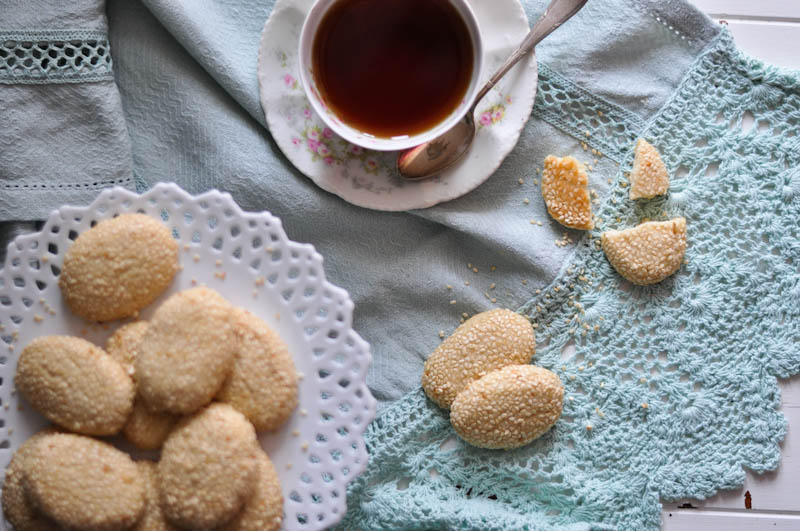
pixel 208 468
pixel 509 407
pixel 118 267
pixel 649 176
pixel 485 342
pixel 264 510
pixel 146 429
pixel 16 507
pixel 153 518
pixel 263 381
pixel 187 352
pixel 75 385
pixel 647 253
pixel 565 192
pixel 83 483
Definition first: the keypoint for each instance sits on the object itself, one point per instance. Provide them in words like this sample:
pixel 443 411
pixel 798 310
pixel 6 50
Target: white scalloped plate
pixel 248 258
pixel 369 178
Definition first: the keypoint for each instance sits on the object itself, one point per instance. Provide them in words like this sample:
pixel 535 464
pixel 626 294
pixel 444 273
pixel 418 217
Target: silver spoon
pixel 435 155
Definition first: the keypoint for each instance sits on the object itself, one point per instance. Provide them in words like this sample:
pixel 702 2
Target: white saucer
pixel 368 178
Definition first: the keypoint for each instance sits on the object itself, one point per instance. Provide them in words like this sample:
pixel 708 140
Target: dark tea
pixel 392 67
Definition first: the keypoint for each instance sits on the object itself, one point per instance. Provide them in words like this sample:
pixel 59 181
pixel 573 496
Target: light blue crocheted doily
pixel 672 389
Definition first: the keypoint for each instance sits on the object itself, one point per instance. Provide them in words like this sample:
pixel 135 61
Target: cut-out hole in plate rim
pixel 243 286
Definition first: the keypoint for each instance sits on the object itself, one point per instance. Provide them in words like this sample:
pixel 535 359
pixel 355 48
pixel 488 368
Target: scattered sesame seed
pixel 295 433
pixel 221 275
pixel 303 412
pixel 524 281
pixel 494 300
pixel 441 334
pixel 193 282
pixel 642 380
pixel 526 201
pixel 449 286
pixel 521 180
pixel 599 113
pixel 11 431
pixel 493 268
pixel 255 293
pixel 466 282
pixel 453 301
pixel 570 399
pixel 300 375
pixel 469 266
pixel 38 318
pixel 587 133
pixel 474 269
pixel 186 246
pixel 259 281
pixel 465 315
pixel 492 285
pixel 288 466
pixel 277 316
pixel 196 258
pixel 304 446
pixel 45 259
pixel 645 406
pixel 588 427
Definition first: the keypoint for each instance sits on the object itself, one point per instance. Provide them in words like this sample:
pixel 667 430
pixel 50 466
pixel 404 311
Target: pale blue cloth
pixel 187 73
pixel 62 132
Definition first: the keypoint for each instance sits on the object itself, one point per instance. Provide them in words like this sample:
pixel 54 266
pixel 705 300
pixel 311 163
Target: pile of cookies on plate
pixel 197 382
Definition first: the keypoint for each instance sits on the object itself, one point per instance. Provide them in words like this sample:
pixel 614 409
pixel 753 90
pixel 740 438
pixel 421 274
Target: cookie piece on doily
pixel 648 253
pixel 508 408
pixel 649 176
pixel 565 192
pixel 264 510
pixel 485 342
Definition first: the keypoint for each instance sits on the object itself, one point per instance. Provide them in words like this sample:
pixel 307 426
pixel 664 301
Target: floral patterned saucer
pixel 368 178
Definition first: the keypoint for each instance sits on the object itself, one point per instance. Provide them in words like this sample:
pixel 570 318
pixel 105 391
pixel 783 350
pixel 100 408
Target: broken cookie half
pixel 649 176
pixel 565 192
pixel 647 253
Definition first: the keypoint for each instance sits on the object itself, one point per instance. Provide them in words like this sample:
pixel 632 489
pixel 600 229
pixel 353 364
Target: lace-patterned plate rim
pixel 49 56
pixel 369 179
pixel 248 258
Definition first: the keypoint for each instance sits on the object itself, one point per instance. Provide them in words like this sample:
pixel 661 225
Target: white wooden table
pixel 767 30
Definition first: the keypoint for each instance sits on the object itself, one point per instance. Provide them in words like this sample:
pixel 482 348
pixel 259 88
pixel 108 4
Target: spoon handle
pixel 558 12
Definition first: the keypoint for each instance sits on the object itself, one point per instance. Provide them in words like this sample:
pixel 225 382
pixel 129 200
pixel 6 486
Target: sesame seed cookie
pixel 187 352
pixel 16 507
pixel 83 483
pixel 153 518
pixel 208 468
pixel 649 176
pixel 485 342
pixel 565 192
pixel 509 407
pixel 264 510
pixel 263 382
pixel 75 385
pixel 146 429
pixel 124 343
pixel 648 253
pixel 118 267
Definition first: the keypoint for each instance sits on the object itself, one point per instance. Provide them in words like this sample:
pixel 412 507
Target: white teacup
pixel 364 139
